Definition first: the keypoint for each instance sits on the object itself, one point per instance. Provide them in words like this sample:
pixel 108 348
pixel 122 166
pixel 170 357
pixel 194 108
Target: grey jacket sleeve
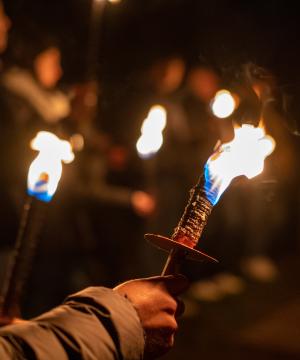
pixel 96 323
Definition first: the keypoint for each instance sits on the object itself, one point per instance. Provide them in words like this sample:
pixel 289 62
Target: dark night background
pixel 133 32
pixel 264 321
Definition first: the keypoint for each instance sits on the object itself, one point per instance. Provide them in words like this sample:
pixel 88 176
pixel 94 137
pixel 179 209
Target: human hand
pixel 158 307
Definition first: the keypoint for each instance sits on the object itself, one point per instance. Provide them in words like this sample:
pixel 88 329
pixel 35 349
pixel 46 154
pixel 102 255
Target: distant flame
pixel 45 170
pixel 223 104
pixel 244 155
pixel 111 1
pixel 151 139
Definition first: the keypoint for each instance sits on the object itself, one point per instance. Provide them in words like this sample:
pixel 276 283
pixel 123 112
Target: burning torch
pixel 43 178
pixel 151 138
pixel 244 155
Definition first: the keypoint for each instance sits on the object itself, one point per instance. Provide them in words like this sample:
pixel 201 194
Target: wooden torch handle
pixel 173 263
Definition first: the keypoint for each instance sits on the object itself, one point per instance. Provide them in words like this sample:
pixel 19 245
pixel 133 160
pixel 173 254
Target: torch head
pixel 244 155
pixel 46 169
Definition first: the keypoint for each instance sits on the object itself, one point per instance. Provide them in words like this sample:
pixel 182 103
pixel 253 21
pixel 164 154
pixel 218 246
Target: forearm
pixel 95 323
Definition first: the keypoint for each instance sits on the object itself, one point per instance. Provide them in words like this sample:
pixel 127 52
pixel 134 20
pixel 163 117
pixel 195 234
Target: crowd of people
pixel 109 197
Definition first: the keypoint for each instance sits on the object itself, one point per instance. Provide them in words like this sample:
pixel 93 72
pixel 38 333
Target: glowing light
pixel 111 1
pixel 244 155
pixel 151 138
pixel 223 104
pixel 46 169
pixel 77 142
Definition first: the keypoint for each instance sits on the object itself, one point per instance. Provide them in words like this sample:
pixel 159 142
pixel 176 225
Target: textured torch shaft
pixel 195 216
pixel 22 257
pixel 190 226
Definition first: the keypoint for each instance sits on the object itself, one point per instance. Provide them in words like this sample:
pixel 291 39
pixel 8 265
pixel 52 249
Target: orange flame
pixel 151 138
pixel 244 155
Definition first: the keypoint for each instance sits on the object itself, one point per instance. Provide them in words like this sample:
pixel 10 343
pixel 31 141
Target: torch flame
pixel 244 155
pixel 223 104
pixel 46 169
pixel 151 139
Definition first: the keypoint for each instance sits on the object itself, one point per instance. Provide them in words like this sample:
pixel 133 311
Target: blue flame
pixel 40 191
pixel 212 191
